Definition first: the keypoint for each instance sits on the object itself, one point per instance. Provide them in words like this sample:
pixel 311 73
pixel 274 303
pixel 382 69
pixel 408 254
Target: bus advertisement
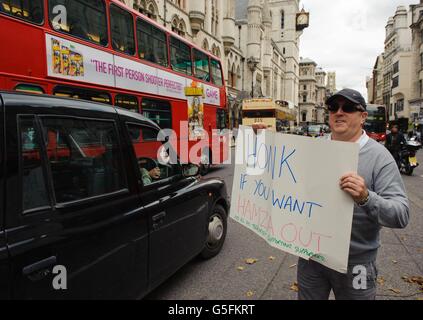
pixel 106 52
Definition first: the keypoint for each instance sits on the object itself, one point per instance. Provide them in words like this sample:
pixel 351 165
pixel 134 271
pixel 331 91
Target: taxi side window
pixel 84 157
pixel 147 151
pixel 34 187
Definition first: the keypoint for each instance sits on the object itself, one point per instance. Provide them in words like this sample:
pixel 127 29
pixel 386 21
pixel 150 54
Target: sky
pixel 346 36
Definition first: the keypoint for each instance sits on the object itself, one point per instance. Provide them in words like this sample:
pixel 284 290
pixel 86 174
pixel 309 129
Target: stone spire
pixel 266 12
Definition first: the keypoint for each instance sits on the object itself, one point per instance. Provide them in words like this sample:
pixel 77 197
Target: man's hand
pixel 155 173
pixel 355 185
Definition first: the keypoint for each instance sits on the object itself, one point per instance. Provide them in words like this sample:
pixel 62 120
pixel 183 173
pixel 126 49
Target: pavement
pixel 273 275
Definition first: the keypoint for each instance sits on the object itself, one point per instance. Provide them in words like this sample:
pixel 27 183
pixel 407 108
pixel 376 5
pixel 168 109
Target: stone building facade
pixel 256 40
pixel 395 67
pixel 416 100
pixel 312 93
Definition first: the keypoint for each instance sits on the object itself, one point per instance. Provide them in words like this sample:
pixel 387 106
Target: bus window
pixel 217 73
pixel 152 44
pixel 86 19
pixel 158 111
pixel 201 65
pixel 180 56
pixel 221 119
pixel 122 26
pixel 29 88
pixel 83 94
pixel 29 10
pixel 126 102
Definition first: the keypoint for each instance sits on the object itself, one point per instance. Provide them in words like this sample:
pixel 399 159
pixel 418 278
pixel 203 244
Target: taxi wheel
pixel 217 228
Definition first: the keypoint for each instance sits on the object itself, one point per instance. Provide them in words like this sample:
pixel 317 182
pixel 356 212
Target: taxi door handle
pixel 40 269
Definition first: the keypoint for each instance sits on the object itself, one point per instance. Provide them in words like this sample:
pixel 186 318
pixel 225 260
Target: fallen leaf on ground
pixel 272 258
pixel 403 238
pixel 250 294
pixel 394 261
pixel 250 261
pixel 416 279
pixel 381 281
pixel 294 265
pixel 240 268
pixel 294 287
pixel 397 291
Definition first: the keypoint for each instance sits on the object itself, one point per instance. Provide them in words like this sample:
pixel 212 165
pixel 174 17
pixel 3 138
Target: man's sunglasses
pixel 347 107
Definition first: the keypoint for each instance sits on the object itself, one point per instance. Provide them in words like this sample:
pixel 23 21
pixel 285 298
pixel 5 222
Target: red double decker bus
pixel 101 50
pixel 377 122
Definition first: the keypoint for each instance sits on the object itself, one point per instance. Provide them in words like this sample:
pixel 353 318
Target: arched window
pixel 229 74
pixel 140 5
pixel 151 12
pixel 205 45
pixel 175 25
pixel 181 28
pixel 238 75
pixel 234 77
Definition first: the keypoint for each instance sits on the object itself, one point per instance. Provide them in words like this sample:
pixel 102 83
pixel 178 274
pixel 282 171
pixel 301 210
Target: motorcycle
pixel 408 159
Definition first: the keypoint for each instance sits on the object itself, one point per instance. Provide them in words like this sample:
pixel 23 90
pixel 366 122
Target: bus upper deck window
pixel 30 10
pixel 152 43
pixel 201 65
pixel 180 54
pixel 122 25
pixel 216 73
pixel 85 19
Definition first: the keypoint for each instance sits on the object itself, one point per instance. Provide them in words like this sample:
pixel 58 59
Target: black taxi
pixel 85 202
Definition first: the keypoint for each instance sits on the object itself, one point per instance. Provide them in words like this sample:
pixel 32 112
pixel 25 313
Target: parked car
pixel 76 192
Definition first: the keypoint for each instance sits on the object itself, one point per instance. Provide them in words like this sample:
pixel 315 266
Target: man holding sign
pixel 380 201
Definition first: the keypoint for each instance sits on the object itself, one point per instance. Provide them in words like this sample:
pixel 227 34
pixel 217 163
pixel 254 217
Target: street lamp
pixel 252 65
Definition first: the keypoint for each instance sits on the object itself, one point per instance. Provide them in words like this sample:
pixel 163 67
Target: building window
pixel 396 67
pixel 421 88
pixel 399 106
pixel 395 82
pixel 305 87
pixel 421 60
pixel 305 98
pixel 282 20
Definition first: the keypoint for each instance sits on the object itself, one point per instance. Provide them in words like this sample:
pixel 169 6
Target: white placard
pixel 289 194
